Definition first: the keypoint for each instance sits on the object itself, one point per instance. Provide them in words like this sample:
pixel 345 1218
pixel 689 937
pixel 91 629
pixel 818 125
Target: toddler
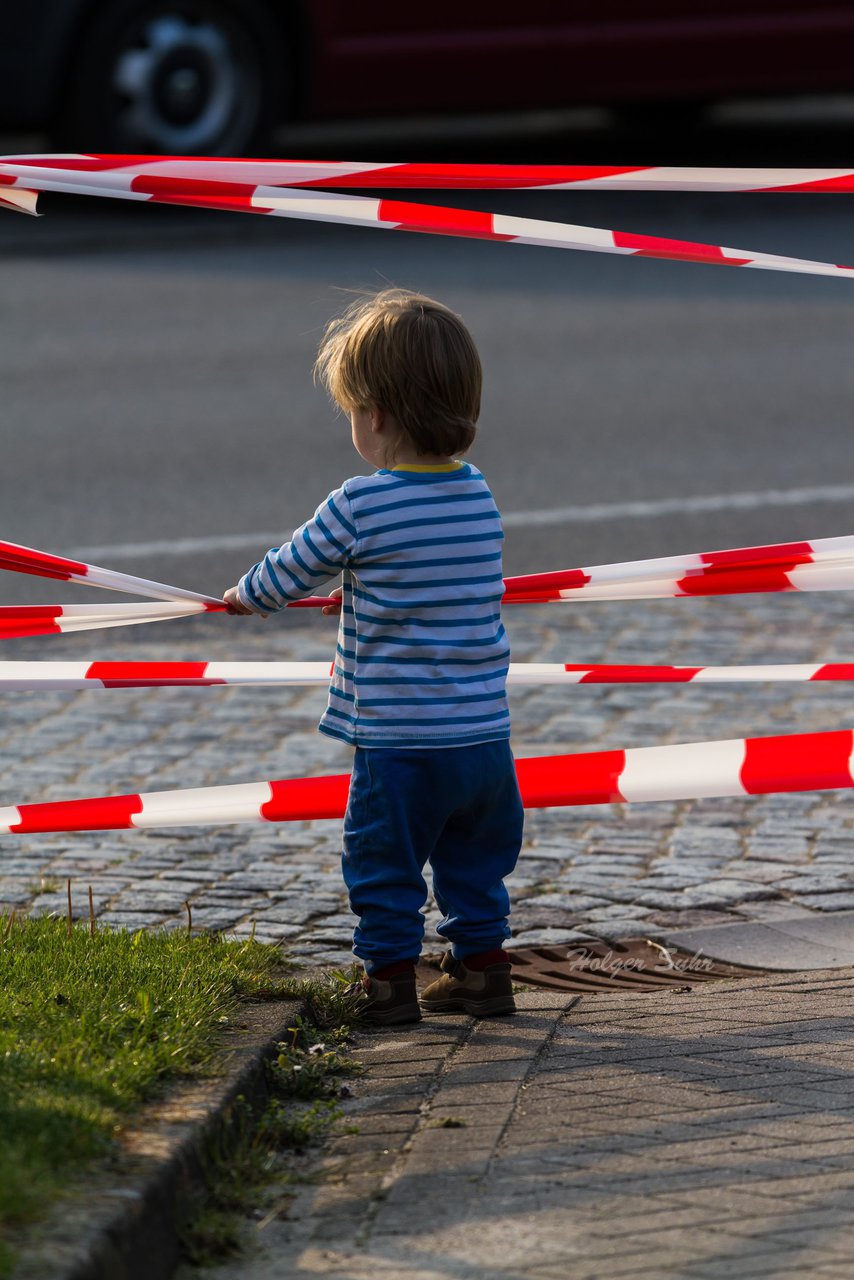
pixel 418 686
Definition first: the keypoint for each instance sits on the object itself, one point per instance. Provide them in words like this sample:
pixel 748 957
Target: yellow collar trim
pixel 441 466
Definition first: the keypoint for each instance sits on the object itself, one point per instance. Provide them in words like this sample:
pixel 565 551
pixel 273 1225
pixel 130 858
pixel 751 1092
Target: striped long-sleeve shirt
pixel 422 654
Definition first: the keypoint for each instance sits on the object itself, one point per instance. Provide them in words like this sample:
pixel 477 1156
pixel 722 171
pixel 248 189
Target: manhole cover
pixel 633 964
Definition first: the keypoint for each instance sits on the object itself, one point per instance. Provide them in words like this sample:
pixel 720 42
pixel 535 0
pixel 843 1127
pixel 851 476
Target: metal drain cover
pixel 632 964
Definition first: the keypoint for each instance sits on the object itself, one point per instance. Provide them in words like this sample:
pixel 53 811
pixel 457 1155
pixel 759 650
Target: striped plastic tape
pixel 142 175
pixel 822 564
pixel 136 178
pixel 33 676
pixel 687 771
pixel 17 621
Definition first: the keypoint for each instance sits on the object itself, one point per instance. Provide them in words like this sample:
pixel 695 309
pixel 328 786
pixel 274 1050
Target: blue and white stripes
pixel 422 655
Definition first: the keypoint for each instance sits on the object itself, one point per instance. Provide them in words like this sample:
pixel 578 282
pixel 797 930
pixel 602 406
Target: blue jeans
pixel 457 808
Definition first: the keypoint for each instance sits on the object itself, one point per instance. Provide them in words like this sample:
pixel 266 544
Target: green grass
pixel 90 1027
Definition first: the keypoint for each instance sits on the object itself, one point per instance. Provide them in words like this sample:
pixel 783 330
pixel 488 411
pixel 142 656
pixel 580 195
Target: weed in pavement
pixel 305 1080
pixel 331 998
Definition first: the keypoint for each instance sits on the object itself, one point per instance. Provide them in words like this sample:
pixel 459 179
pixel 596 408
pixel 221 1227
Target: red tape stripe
pixel 295 798
pixel 490 177
pixel 587 778
pixel 131 675
pixel 27 560
pixel 111 813
pixel 19 612
pixel 18 621
pixel 632 674
pixel 20 630
pixel 798 762
pixel 439 221
pixel 535 583
pixel 732 572
pixel 680 250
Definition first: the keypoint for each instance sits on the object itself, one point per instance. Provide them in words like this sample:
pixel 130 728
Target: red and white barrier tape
pixel 43 564
pixel 40 676
pixel 688 771
pixel 179 182
pixel 154 675
pixel 822 564
pixel 18 621
pixel 145 175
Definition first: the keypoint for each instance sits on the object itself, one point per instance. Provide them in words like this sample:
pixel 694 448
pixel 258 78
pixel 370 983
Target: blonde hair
pixel 412 357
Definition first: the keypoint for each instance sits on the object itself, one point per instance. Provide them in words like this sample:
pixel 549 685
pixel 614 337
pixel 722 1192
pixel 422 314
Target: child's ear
pixel 377 418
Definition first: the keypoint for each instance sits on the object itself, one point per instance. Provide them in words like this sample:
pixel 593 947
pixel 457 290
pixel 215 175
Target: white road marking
pixel 591 514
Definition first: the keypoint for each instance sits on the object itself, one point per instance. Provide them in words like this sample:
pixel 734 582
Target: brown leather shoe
pixel 387 1001
pixel 483 992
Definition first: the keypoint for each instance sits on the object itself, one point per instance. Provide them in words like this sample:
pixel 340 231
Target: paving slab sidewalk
pixel 682 1135
pixel 796 943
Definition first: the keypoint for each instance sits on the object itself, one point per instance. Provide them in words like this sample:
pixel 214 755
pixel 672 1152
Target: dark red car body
pixel 477 55
pixel 326 59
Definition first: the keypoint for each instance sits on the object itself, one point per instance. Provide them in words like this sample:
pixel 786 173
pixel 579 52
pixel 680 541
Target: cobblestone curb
pixel 123 1223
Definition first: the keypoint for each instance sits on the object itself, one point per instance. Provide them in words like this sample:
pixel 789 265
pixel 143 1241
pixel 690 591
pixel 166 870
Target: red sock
pixel 482 961
pixel 393 970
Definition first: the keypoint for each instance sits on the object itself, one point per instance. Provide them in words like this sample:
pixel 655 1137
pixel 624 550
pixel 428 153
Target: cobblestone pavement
pixel 609 871
pixel 690 1135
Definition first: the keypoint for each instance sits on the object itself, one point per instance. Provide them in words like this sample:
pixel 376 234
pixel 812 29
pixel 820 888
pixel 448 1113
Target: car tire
pixel 179 77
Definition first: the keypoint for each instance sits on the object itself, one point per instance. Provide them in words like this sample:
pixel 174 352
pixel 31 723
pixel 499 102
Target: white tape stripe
pixel 831 548
pixel 822 576
pixel 111 580
pixel 542 673
pixel 103 624
pixel 73 616
pixel 655 589
pixel 560 234
pixel 672 178
pixel 688 771
pixel 239 803
pixel 252 173
pixel 321 206
pixel 9 817
pixel 19 197
pixel 799 268
pixel 269 672
pixel 95 612
pixel 58 675
pixel 778 671
pixel 68 186
pixel 670 565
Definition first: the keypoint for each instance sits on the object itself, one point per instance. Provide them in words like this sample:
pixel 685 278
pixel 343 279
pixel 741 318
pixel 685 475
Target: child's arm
pixel 318 551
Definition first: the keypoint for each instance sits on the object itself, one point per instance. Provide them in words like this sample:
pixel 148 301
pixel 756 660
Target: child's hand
pixel 335 601
pixel 235 604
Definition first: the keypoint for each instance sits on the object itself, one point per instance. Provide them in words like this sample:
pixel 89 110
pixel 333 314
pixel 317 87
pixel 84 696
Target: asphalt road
pixel 156 394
